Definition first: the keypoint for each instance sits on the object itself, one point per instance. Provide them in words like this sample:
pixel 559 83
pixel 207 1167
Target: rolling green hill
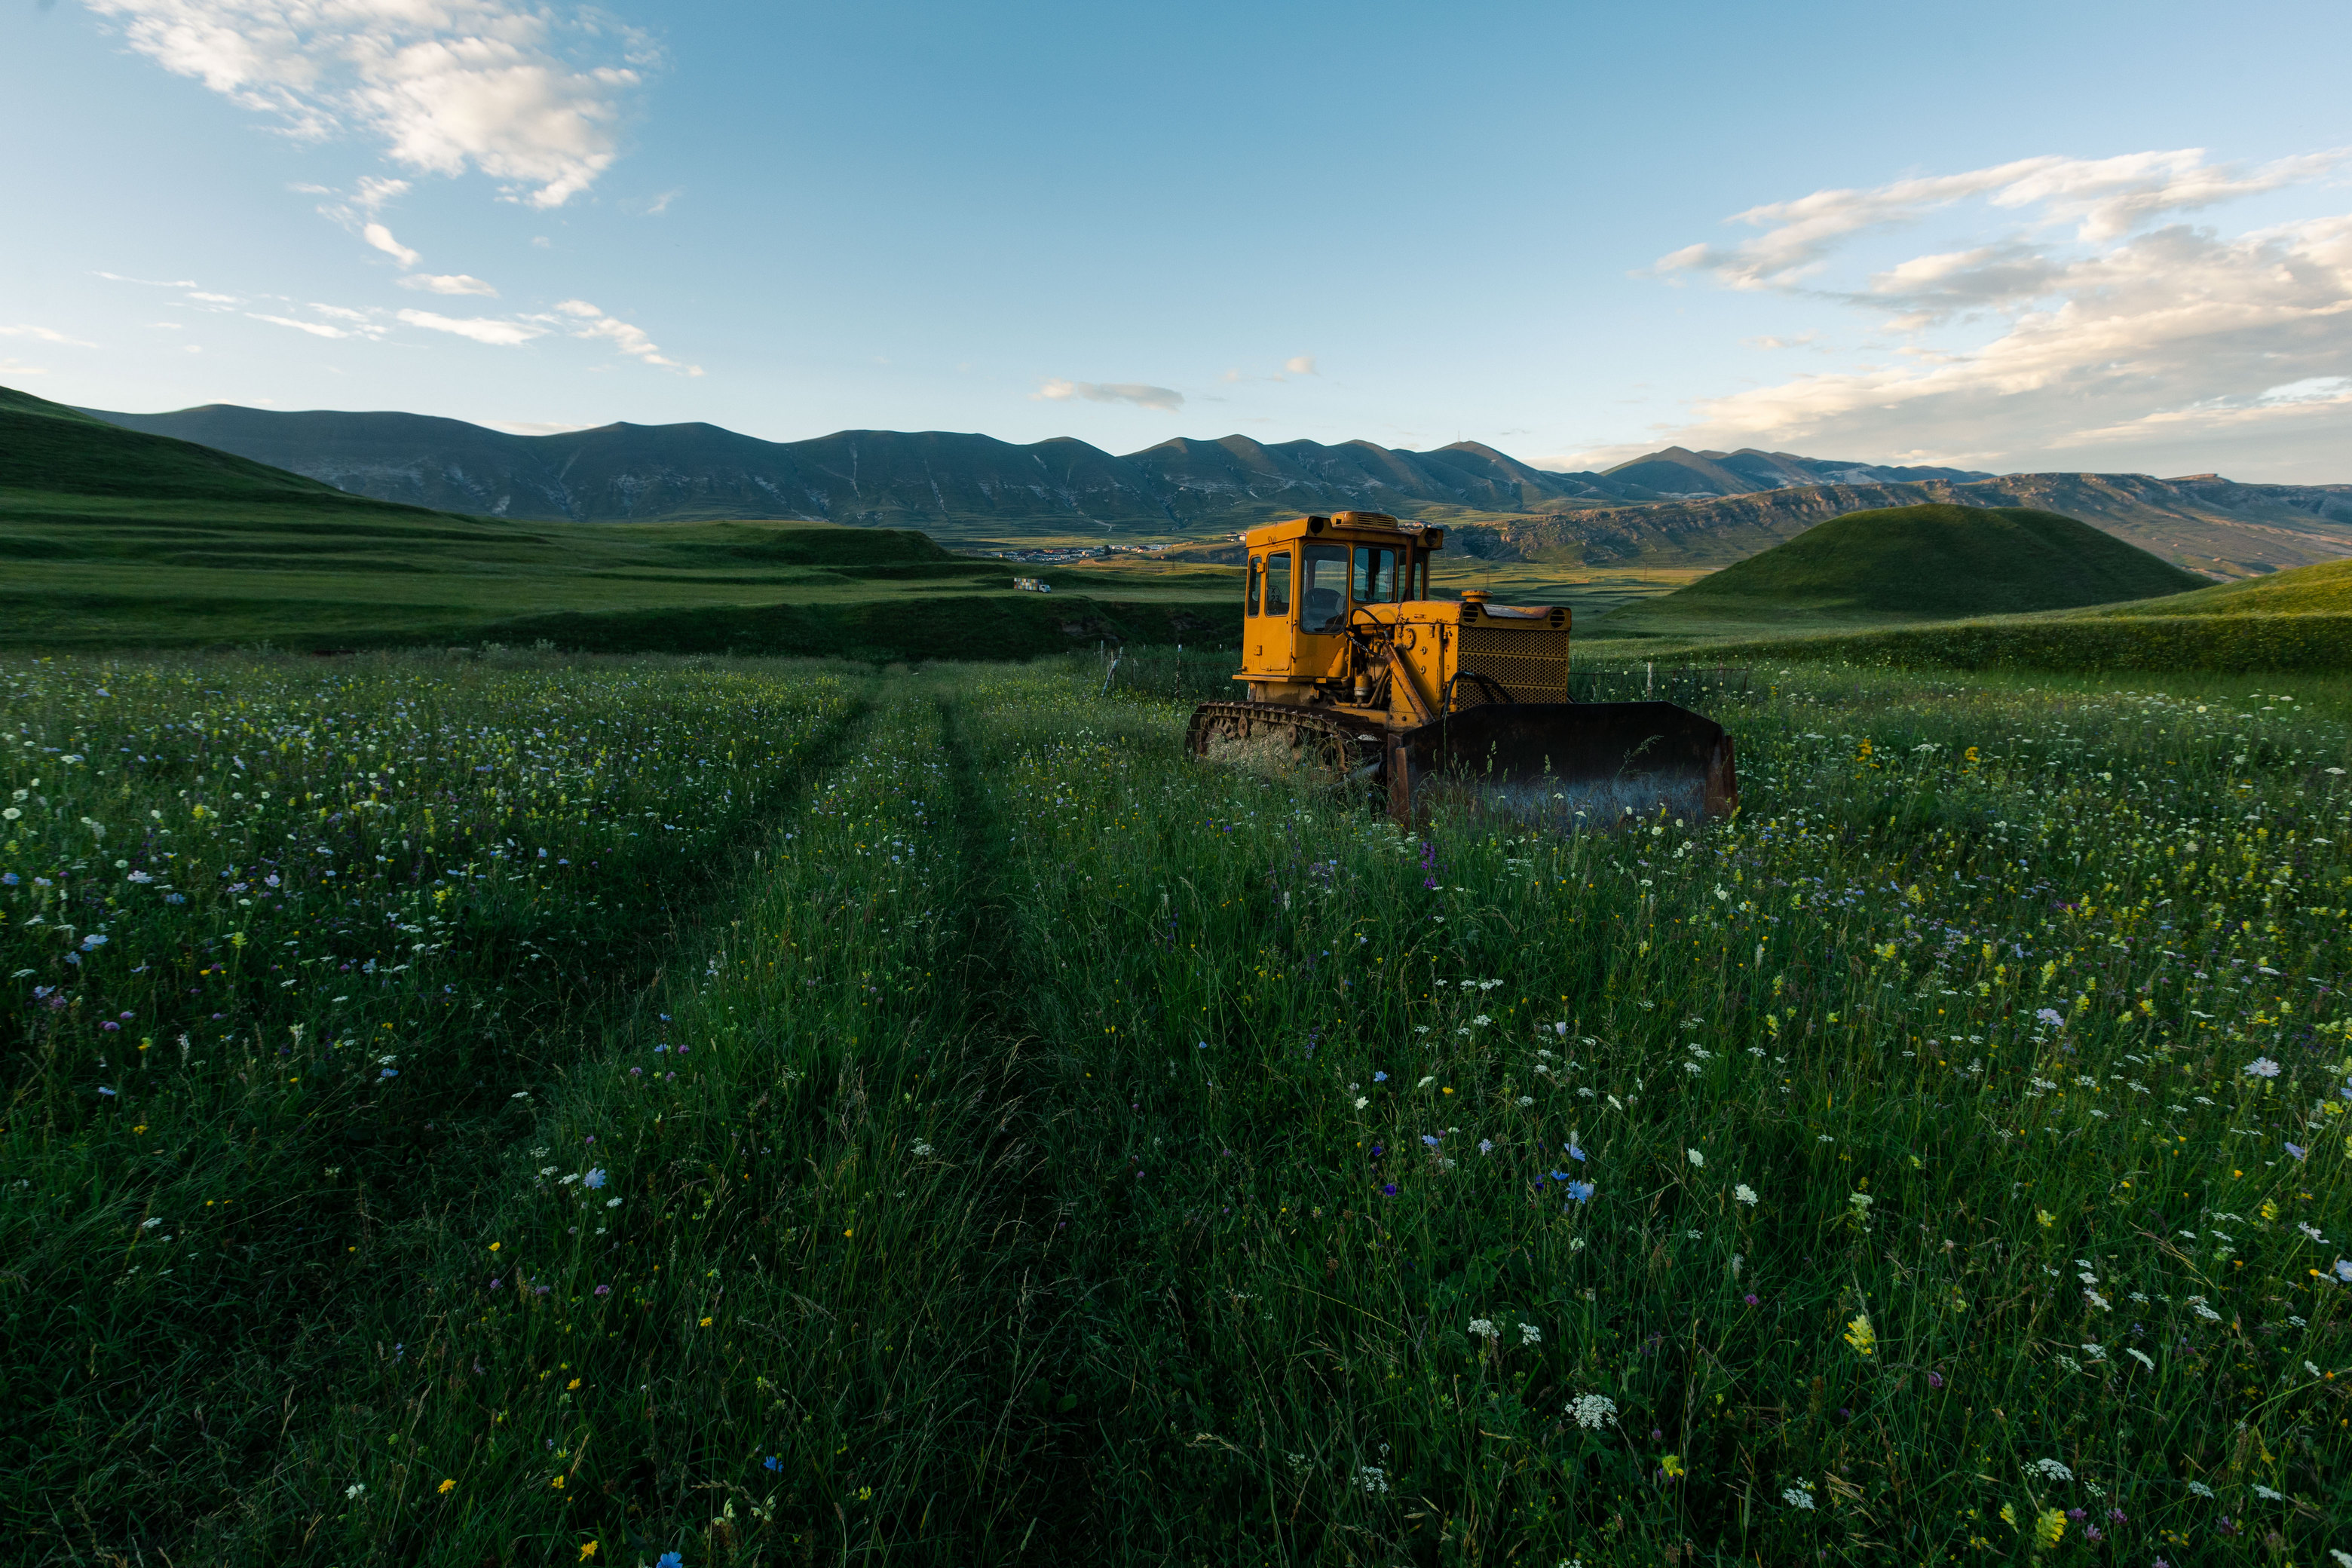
pixel 115 538
pixel 2319 590
pixel 1909 564
pixel 2294 621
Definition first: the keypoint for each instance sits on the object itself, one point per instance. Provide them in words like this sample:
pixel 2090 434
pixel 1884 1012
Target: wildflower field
pixel 518 1109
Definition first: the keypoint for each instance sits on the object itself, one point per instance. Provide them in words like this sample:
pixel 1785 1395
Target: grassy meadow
pixel 517 1109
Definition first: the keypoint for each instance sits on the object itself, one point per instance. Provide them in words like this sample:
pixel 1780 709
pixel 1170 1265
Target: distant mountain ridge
pixel 941 482
pixel 1674 507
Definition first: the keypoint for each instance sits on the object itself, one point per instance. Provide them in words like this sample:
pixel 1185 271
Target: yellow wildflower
pixel 1860 1335
pixel 2049 1526
pixel 446 1487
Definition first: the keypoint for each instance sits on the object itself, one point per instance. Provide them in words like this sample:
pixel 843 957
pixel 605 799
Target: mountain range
pixel 642 473
pixel 1672 506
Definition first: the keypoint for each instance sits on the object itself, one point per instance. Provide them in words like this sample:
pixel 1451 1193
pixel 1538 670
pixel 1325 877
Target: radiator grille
pixel 1532 665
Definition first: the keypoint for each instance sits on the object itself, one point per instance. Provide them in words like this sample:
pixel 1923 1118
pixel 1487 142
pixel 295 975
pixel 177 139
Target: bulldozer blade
pixel 1564 764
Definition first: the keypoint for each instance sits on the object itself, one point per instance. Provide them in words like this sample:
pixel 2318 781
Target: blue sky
pixel 2007 235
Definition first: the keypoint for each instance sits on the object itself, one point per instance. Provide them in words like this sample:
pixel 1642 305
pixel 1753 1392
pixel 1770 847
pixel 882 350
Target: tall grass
pixel 1052 1149
pixel 1937 1167
pixel 283 940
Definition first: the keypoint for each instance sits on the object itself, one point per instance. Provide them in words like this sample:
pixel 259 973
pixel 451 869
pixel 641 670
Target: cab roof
pixel 1352 525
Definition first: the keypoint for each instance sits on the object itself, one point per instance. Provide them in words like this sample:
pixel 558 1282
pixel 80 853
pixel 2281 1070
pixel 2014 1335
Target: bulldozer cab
pixel 1308 580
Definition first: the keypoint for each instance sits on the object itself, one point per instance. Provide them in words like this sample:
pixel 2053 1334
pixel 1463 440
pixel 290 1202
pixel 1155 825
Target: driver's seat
pixel 1322 609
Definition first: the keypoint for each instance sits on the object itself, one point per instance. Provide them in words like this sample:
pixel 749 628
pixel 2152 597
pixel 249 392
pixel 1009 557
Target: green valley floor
pixel 518 1109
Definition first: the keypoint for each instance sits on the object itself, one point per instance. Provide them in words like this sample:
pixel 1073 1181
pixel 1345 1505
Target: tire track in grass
pixel 266 1180
pixel 757 1284
pixel 1039 1403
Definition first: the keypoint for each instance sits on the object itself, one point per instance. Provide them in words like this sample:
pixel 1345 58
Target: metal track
pixel 1347 749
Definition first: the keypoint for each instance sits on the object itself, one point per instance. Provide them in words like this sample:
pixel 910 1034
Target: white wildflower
pixel 1744 1194
pixel 1593 1411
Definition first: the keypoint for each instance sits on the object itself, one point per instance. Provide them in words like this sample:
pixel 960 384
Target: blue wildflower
pixel 1429 1139
pixel 669 1560
pixel 1388 1189
pixel 1383 1078
pixel 592 1179
pixel 2297 1149
pixel 1573 1151
pixel 772 1462
pixel 1580 1191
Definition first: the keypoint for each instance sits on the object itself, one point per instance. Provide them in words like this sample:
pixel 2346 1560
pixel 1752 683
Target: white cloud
pixel 375 233
pixel 2084 326
pixel 2106 197
pixel 530 426
pixel 148 282
pixel 1301 364
pixel 594 323
pixel 528 96
pixel 46 335
pixel 439 283
pixel 316 328
pixel 1136 392
pixel 16 367
pixel 481 329
pixel 2310 389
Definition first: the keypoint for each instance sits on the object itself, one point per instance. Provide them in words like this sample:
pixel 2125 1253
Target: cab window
pixel 1375 578
pixel 1256 575
pixel 1323 589
pixel 1277 583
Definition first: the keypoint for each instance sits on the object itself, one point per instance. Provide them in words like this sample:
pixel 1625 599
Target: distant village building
pixel 1033 585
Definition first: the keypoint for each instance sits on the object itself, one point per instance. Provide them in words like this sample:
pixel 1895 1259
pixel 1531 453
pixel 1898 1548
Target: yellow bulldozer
pixel 1354 672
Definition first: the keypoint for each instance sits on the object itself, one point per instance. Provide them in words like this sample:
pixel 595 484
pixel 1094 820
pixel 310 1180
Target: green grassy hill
pixel 1922 562
pixel 2320 590
pixel 2294 621
pixel 116 537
